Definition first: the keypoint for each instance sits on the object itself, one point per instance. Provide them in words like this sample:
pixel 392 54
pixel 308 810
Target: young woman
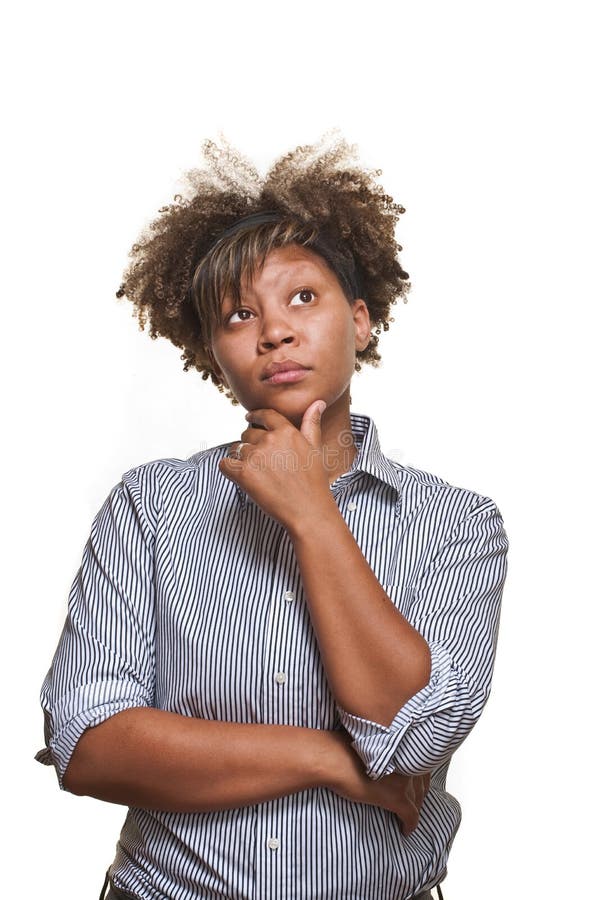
pixel 273 648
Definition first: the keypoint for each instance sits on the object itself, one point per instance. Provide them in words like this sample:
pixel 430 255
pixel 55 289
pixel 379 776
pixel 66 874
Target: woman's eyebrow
pixel 302 270
pixel 295 271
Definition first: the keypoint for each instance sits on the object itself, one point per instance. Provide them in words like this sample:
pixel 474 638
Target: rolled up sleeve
pixel 104 661
pixel 456 608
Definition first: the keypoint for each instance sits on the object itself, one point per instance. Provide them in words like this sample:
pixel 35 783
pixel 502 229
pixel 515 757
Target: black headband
pixel 251 221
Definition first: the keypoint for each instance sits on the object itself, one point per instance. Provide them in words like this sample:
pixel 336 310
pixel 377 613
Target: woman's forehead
pixel 278 269
pixel 288 261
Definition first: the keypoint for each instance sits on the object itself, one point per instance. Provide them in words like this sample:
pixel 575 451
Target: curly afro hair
pixel 203 244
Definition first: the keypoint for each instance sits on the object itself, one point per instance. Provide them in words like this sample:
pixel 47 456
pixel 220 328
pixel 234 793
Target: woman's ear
pixel 362 324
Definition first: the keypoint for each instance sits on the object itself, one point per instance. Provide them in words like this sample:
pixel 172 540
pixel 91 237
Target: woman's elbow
pixel 73 780
pixel 84 764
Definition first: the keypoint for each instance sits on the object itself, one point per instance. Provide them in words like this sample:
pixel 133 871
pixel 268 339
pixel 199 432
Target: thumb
pixel 311 422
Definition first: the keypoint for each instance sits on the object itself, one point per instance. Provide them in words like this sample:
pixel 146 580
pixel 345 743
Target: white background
pixel 483 118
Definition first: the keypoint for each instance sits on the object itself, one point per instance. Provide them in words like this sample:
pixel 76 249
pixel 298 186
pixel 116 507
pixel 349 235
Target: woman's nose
pixel 276 330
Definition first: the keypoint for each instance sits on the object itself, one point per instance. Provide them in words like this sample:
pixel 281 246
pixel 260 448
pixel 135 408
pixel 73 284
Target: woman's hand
pixel 400 794
pixel 281 467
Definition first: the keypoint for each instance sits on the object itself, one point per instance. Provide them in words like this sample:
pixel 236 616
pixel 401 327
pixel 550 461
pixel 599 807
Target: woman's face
pixel 293 309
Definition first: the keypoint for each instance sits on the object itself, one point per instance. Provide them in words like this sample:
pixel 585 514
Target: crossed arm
pixel 405 707
pixel 160 760
pixel 156 759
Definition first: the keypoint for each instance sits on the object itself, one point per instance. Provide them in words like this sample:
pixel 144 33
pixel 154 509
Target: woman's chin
pixel 293 408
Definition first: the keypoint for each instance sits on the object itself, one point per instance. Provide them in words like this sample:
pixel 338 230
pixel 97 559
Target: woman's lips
pixel 287 377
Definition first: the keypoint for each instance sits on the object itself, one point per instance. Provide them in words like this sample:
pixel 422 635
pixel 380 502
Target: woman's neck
pixel 339 449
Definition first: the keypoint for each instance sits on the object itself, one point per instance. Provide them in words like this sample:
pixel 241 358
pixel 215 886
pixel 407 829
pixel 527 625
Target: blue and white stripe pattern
pixel 189 599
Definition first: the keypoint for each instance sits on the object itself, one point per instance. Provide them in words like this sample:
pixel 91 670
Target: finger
pixel 232 468
pixel 311 423
pixel 252 435
pixel 419 791
pixel 409 818
pixel 268 418
pixel 237 450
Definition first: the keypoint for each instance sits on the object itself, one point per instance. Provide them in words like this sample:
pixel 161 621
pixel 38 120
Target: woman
pixel 273 648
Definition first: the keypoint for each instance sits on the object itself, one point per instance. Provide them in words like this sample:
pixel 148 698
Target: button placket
pixel 275 676
pixel 282 628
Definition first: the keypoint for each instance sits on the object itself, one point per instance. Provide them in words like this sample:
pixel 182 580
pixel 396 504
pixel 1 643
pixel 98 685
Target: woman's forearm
pixel 156 759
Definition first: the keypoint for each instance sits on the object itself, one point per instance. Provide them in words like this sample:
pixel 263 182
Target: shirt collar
pixel 369 459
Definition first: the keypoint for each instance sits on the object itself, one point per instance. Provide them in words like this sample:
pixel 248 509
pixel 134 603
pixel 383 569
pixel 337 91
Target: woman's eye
pixel 237 313
pixel 305 295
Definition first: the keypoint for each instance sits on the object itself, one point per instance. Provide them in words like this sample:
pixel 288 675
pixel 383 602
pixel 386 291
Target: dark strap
pixel 427 895
pixel 105 885
pixel 113 891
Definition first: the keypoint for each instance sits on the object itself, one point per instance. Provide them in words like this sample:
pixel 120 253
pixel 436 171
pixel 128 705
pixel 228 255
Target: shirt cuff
pixel 376 744
pixel 84 708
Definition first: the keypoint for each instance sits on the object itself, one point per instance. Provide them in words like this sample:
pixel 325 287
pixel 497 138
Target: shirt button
pixel 281 678
pixel 273 843
pixel 352 506
pixel 289 596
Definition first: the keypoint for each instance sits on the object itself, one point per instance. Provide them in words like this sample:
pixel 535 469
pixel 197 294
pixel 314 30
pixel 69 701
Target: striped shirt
pixel 189 598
